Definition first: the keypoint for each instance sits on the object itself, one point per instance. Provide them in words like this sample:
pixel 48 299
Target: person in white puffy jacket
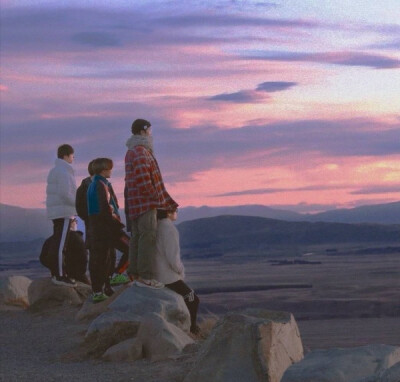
pixel 60 206
pixel 168 266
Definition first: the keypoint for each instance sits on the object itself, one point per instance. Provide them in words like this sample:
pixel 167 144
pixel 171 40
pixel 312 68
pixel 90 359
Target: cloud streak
pixel 369 60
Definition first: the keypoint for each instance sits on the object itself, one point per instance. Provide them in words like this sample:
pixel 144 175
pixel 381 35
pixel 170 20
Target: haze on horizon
pixel 289 104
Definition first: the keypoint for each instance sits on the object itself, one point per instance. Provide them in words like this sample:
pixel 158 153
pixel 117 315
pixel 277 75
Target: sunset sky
pixel 290 104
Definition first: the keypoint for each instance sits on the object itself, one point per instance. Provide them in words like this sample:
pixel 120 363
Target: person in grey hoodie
pixel 168 267
pixel 60 207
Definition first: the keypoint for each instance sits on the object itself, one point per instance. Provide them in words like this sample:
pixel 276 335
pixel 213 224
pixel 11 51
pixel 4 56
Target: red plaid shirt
pixel 145 187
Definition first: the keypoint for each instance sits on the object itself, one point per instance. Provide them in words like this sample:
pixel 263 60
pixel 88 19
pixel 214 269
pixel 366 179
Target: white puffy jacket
pixel 168 266
pixel 61 191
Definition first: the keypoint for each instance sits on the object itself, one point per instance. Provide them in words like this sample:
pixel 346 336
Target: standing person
pixel 60 206
pixel 105 229
pixel 168 265
pixel 145 192
pixel 81 205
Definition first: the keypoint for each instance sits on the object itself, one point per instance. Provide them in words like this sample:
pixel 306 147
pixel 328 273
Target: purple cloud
pixel 262 191
pixel 243 96
pixel 380 189
pixel 275 86
pixel 335 58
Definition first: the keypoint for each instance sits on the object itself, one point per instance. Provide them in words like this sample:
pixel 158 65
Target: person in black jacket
pixel 106 229
pixel 81 206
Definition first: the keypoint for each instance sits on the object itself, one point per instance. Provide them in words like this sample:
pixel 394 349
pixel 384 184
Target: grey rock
pixel 129 350
pixel 134 303
pixel 14 291
pixel 392 374
pixel 360 364
pixel 244 347
pixel 43 294
pixel 161 339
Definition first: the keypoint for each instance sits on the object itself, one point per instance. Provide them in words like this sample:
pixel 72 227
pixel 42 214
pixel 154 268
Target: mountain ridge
pixel 24 224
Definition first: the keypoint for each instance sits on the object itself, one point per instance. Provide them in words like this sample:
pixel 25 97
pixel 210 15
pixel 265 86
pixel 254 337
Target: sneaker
pixel 99 297
pixel 63 280
pixel 119 279
pixel 149 283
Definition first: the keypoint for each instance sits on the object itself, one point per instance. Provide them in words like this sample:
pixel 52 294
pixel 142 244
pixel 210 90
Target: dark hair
pixel 139 125
pixel 101 164
pixel 163 214
pixel 64 150
pixel 90 168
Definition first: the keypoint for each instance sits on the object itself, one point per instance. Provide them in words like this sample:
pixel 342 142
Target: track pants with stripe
pixel 58 248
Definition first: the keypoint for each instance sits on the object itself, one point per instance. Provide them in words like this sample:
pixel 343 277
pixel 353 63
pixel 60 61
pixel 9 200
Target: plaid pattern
pixel 145 188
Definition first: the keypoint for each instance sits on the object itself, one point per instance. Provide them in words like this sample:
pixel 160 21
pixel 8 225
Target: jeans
pixel 142 246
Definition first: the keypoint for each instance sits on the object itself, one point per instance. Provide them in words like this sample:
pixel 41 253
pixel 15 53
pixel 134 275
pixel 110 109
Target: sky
pixel 290 104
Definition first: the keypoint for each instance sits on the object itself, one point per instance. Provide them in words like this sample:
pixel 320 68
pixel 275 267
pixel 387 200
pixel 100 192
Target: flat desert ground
pixel 350 300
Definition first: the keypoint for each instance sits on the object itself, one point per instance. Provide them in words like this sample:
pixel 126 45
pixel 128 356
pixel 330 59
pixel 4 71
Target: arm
pixel 66 188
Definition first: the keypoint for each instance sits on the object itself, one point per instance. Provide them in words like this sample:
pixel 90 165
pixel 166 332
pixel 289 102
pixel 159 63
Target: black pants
pixel 102 254
pixel 58 246
pixel 190 298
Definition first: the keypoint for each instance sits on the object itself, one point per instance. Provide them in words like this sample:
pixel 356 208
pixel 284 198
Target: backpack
pixel 81 199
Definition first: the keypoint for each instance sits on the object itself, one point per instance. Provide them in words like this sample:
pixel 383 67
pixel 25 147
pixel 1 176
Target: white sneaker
pixel 154 284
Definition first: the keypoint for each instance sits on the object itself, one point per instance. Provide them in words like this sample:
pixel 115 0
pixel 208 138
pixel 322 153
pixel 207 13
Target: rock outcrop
pixel 43 294
pixel 156 323
pixel 254 346
pixel 14 291
pixel 366 363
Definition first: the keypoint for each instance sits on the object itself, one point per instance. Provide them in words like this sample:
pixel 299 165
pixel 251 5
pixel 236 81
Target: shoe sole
pixel 61 283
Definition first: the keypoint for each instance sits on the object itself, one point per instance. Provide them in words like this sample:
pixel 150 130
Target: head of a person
pixel 90 168
pixel 103 167
pixel 141 127
pixel 66 152
pixel 167 214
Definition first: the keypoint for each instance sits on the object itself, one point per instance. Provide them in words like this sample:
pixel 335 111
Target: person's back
pixel 60 207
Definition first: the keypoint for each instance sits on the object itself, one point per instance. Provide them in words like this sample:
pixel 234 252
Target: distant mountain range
pixel 246 233
pixel 21 224
pixel 388 213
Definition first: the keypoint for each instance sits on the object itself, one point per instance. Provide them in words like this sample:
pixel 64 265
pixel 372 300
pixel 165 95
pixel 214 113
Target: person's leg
pixel 121 242
pixel 59 244
pixel 191 301
pixel 147 229
pixel 99 259
pixel 133 249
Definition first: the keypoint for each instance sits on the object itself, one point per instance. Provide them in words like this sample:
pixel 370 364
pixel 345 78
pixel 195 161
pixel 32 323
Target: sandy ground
pixel 43 347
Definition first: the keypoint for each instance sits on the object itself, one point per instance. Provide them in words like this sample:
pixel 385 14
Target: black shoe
pixel 108 291
pixel 64 281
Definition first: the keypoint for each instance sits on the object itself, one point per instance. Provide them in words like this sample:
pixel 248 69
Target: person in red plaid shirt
pixel 144 194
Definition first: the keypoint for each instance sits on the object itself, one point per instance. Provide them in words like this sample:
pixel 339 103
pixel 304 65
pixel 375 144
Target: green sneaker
pixel 98 297
pixel 119 279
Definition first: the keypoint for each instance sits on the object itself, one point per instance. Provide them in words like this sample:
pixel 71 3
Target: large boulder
pixel 365 363
pixel 44 294
pixel 134 303
pixel 141 322
pixel 251 348
pixel 14 291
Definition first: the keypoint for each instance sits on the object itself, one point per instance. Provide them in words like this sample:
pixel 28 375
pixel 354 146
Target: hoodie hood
pixel 140 140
